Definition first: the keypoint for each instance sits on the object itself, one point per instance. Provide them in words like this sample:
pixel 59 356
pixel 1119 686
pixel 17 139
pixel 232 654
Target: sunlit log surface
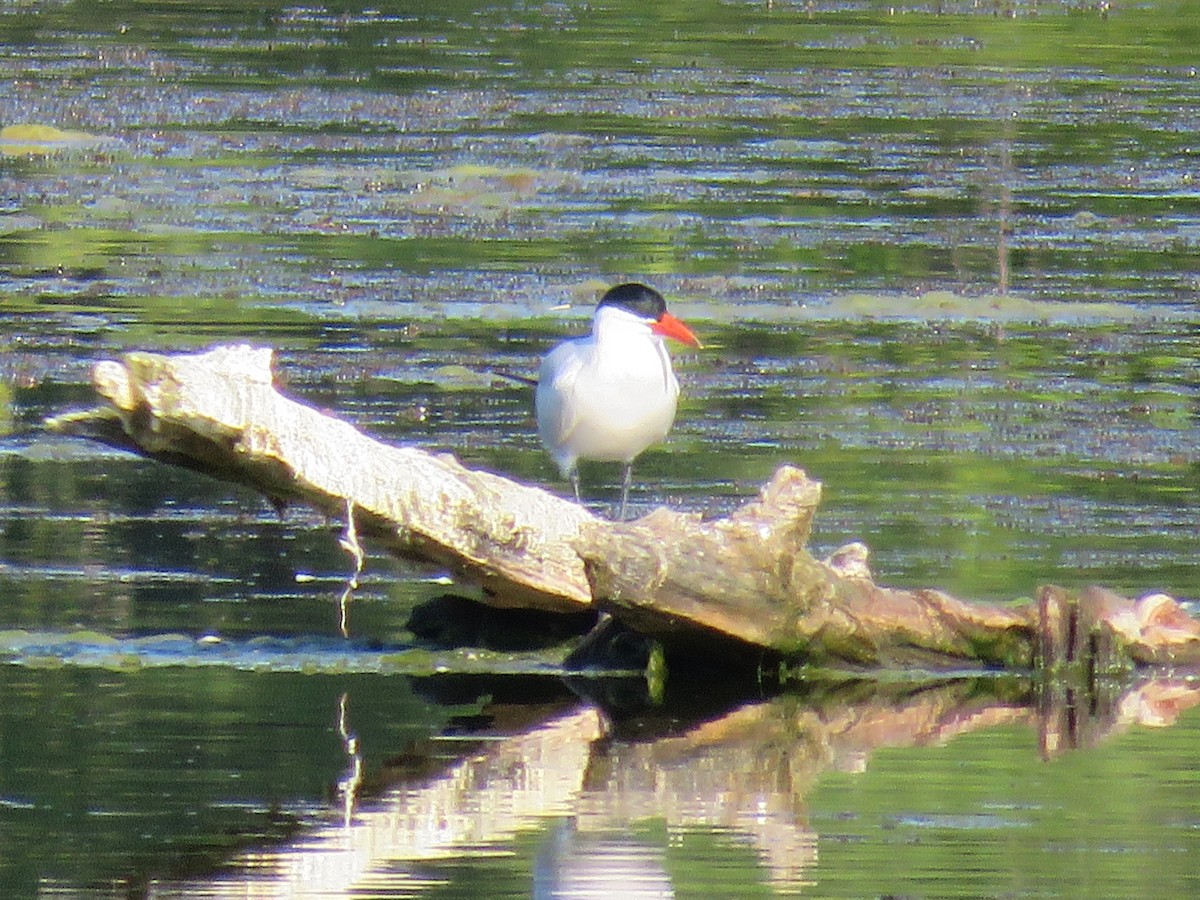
pixel 219 412
pixel 750 576
pixel 575 777
pixel 746 579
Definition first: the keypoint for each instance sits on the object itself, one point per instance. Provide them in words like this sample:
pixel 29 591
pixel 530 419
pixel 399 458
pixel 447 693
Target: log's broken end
pixel 783 513
pixel 218 412
pixel 1105 632
pixel 111 381
pixel 140 375
pixel 746 577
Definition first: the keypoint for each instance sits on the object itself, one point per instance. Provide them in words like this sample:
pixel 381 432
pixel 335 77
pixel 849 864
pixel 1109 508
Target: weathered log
pixel 750 576
pixel 746 580
pixel 219 412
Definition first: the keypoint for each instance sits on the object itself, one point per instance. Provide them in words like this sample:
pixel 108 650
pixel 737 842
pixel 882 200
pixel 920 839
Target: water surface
pixel 942 256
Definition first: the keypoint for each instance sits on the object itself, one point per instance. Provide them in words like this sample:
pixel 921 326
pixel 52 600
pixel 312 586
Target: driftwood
pixel 746 582
pixel 749 576
pixel 219 413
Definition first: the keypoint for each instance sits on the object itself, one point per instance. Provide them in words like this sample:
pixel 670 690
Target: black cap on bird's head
pixel 637 298
pixel 649 304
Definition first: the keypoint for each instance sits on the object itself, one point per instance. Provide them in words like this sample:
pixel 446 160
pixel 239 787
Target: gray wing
pixel 556 413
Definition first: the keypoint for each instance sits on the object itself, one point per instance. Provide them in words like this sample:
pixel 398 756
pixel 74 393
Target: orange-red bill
pixel 669 326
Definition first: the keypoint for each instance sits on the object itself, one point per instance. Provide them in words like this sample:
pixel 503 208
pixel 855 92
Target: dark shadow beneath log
pixel 451 621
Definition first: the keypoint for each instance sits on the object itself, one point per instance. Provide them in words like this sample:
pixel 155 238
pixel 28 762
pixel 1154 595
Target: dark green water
pixel 398 197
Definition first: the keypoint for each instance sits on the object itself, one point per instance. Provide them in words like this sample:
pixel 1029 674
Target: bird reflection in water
pixel 602 866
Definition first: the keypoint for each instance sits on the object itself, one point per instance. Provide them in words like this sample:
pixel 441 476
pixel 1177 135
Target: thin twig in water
pixel 349 542
pixel 344 611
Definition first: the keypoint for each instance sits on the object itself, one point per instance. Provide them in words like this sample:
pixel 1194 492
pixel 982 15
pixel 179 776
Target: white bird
pixel 610 395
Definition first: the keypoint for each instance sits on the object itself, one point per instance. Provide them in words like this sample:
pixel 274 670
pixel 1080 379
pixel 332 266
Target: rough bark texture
pixel 745 582
pixel 220 413
pixel 749 576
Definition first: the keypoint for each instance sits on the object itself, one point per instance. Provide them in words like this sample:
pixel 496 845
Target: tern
pixel 611 394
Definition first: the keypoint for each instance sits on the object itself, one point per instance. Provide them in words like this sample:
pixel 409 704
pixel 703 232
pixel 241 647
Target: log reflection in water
pixel 750 771
pixel 746 773
pixel 1070 719
pixel 482 800
pixel 589 866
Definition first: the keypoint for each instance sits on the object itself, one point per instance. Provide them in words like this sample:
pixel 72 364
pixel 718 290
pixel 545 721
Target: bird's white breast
pixel 606 397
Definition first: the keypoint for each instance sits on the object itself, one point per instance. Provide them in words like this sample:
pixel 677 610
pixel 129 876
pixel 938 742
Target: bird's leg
pixel 574 476
pixel 626 480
